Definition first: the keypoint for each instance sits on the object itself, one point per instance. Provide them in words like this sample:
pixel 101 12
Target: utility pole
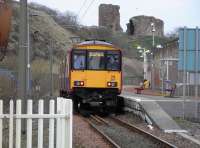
pixel 51 67
pixel 28 57
pixel 22 58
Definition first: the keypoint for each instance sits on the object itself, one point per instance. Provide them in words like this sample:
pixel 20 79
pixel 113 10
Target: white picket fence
pixel 61 121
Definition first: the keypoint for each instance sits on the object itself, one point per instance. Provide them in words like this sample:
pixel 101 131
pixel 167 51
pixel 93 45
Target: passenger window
pixel 79 61
pixel 113 61
pixel 96 61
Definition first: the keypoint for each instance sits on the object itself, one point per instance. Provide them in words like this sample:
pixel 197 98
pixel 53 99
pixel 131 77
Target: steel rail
pixel 95 119
pixel 104 136
pixel 162 143
pixel 102 120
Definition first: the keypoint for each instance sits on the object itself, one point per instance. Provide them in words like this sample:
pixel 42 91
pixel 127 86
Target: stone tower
pixel 109 17
pixel 141 26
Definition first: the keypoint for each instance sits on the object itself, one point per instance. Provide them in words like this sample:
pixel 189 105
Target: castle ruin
pixel 109 17
pixel 141 26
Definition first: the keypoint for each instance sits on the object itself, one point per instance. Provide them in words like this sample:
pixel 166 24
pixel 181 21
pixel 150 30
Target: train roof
pixel 95 42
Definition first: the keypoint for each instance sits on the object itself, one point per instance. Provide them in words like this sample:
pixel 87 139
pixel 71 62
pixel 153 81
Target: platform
pixel 155 112
pixel 174 106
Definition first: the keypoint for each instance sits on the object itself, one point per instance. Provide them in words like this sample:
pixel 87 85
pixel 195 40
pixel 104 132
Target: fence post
pixel 63 127
pixel 58 123
pixel 68 125
pixel 11 125
pixel 40 124
pixel 18 125
pixel 1 125
pixel 29 125
pixel 51 124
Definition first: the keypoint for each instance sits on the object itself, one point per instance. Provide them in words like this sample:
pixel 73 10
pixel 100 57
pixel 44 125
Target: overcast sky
pixel 174 13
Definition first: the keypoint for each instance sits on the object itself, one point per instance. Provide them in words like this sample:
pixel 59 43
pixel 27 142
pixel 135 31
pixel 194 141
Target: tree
pixel 173 33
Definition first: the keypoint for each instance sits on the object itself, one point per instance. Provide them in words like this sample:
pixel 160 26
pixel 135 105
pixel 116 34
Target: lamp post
pixel 144 52
pixel 153 30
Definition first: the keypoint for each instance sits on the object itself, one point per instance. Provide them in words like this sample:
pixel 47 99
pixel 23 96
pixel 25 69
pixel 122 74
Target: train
pixel 5 24
pixel 91 75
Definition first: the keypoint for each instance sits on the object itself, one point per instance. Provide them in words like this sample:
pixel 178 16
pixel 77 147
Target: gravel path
pixel 84 136
pixel 171 138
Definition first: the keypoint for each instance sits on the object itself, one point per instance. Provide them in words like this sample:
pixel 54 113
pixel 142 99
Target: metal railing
pixel 136 108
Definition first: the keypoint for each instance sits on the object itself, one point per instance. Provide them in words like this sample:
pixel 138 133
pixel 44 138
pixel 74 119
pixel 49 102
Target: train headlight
pixel 112 84
pixel 79 83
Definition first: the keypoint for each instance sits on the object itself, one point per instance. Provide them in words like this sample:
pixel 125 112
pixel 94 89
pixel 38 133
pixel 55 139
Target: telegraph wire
pixel 85 1
pixel 87 9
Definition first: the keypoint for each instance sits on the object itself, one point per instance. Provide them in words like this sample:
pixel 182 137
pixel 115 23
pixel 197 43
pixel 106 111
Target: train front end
pixel 95 75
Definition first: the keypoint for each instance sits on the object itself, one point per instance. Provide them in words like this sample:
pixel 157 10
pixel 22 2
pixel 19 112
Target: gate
pixel 59 124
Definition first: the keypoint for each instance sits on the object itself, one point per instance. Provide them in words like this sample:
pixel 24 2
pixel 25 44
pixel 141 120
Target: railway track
pixel 160 142
pixel 120 134
pixel 101 121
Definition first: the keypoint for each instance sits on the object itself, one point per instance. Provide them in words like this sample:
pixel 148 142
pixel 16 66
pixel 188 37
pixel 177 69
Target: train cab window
pixel 79 58
pixel 113 60
pixel 96 60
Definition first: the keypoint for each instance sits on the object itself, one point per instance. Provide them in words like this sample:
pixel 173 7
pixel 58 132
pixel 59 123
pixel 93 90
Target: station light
pixel 159 46
pixel 147 51
pixel 139 47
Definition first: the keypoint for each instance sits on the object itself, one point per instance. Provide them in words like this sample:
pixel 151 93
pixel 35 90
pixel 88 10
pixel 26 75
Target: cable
pixel 85 1
pixel 87 9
